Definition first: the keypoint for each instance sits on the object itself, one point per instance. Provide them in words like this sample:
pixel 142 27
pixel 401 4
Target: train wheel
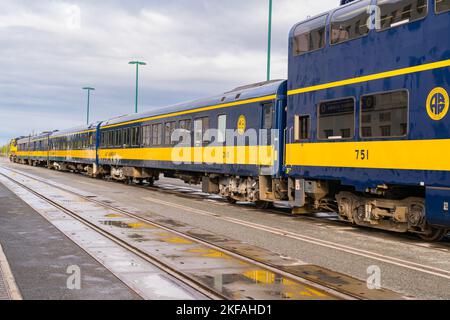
pixel 231 200
pixel 263 205
pixel 435 235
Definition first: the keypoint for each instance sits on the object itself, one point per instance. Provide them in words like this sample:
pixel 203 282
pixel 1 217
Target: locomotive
pixel 360 127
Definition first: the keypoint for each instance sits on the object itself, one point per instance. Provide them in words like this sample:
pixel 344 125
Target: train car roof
pixel 33 137
pixel 242 93
pixel 329 13
pixel 75 130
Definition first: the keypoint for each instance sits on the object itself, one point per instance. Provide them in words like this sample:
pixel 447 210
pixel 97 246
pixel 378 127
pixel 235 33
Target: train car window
pixel 91 140
pixel 201 126
pixel 388 115
pixel 157 134
pixel 310 36
pixel 169 129
pixel 103 137
pixel 394 13
pixel 442 6
pixel 268 116
pixel 198 132
pixel 221 128
pixel 117 142
pixel 350 22
pixel 186 124
pixel 126 137
pixel 146 136
pixel 113 138
pixel 206 127
pixel 134 138
pixel 337 119
pixel 301 127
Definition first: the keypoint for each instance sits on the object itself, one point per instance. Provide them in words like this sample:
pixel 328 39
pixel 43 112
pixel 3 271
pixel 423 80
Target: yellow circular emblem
pixel 437 104
pixel 242 124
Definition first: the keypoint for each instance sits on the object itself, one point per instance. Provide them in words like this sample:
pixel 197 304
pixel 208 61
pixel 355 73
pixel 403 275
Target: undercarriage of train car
pixel 262 190
pixel 393 208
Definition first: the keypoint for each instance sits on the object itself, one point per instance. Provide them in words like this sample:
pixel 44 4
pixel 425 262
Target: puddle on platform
pixel 261 284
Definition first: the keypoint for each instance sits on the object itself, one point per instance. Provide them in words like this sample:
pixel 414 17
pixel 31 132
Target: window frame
pixel 147 135
pixel 159 137
pixel 439 12
pixel 297 123
pixel 205 139
pixel 407 113
pixel 168 138
pixel 326 15
pixel 268 105
pixel 330 29
pixel 354 119
pixel 405 24
pixel 219 116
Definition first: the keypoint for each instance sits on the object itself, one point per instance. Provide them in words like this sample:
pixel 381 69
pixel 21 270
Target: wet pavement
pixel 39 257
pixel 408 265
pixel 228 275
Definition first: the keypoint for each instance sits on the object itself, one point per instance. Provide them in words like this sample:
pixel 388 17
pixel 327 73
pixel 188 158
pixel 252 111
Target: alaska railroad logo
pixel 242 125
pixel 437 104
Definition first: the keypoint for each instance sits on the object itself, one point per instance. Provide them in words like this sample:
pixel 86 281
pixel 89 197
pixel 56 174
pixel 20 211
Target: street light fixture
pixel 88 89
pixel 269 42
pixel 137 63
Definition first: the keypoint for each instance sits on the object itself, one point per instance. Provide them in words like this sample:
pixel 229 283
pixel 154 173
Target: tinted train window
pixel 337 119
pixel 350 22
pixel 268 116
pixel 310 36
pixel 135 136
pixel 301 130
pixel 126 137
pixel 112 139
pixel 119 138
pixel 185 124
pixel 221 128
pixel 442 6
pixel 146 136
pixel 157 133
pixel 394 13
pixel 388 115
pixel 169 129
pixel 201 126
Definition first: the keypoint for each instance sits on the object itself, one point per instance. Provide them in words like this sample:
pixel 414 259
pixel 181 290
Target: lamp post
pixel 269 41
pixel 88 89
pixel 137 63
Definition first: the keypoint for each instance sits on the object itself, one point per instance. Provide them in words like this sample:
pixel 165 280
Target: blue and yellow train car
pixel 368 122
pixel 231 143
pixel 33 150
pixel 74 149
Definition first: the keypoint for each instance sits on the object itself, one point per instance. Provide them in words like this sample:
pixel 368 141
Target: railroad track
pixel 403 263
pixel 261 278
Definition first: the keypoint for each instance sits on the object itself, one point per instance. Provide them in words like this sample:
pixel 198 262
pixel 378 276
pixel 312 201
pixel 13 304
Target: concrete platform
pixel 42 259
pixel 8 287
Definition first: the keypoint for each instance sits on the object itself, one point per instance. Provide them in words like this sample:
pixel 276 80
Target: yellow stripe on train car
pixel 372 77
pixel 246 155
pixel 400 154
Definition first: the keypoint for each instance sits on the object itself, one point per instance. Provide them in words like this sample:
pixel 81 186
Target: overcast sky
pixel 50 49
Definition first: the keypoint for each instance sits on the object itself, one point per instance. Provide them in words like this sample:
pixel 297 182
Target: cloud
pixel 50 49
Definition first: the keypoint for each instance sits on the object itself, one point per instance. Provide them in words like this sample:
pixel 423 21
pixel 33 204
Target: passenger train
pixel 360 127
